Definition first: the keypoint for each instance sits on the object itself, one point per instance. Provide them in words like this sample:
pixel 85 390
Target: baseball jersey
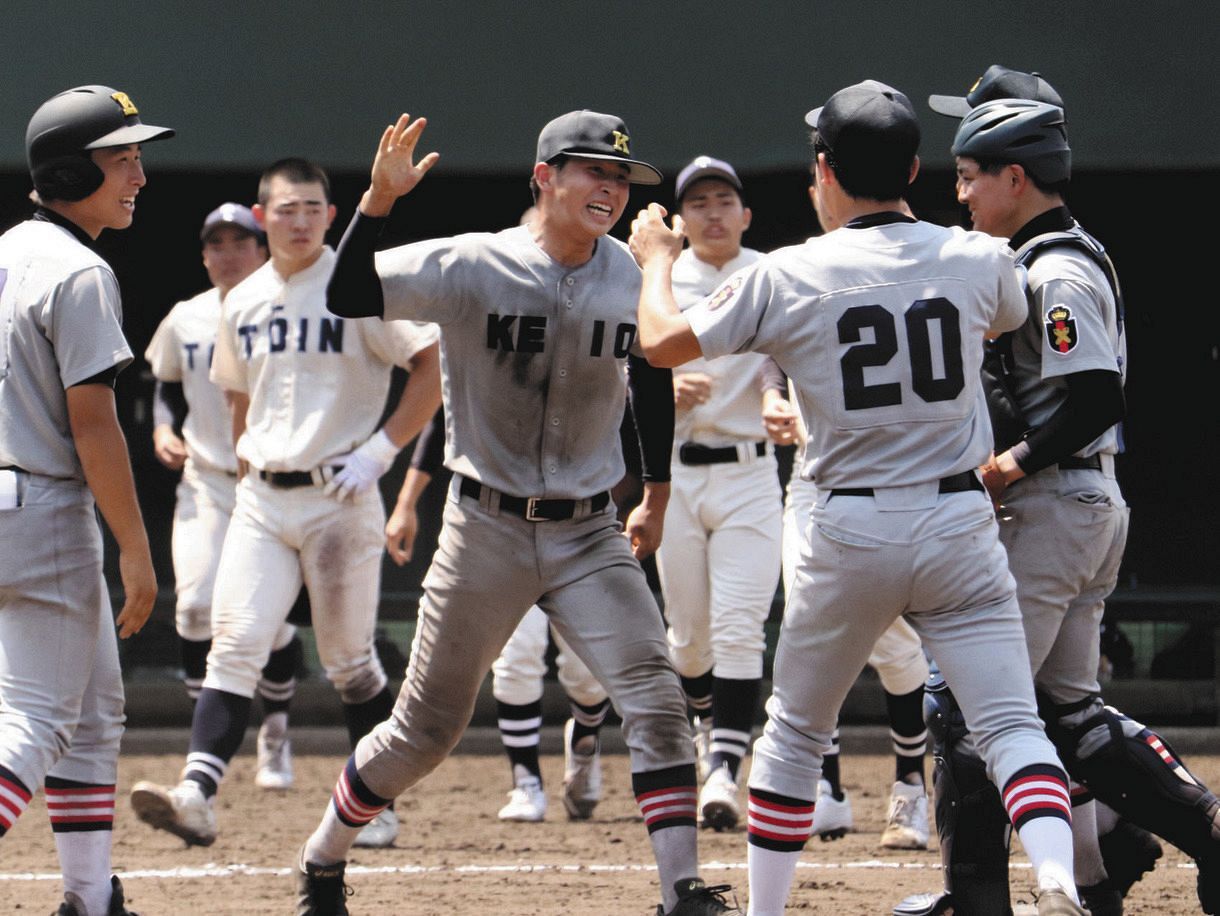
pixel 532 355
pixel 732 412
pixel 181 351
pixel 1072 326
pixel 60 324
pixel 317 382
pixel 881 331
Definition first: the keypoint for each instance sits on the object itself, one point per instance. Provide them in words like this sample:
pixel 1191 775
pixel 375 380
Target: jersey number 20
pixel 918 318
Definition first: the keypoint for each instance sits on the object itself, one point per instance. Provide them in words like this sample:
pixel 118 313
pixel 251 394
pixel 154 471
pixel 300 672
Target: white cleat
pixel 182 810
pixel 526 802
pixel 1057 902
pixel 274 760
pixel 380 832
pixel 718 805
pixel 703 748
pixel 582 777
pixel 831 816
pixel 907 823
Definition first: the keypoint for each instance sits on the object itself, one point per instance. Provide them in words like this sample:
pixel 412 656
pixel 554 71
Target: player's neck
pixel 714 257
pixel 571 249
pixel 286 267
pixel 854 207
pixel 78 213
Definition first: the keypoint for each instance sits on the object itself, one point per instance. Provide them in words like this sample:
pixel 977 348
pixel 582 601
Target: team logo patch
pixel 620 142
pixel 724 294
pixel 1061 329
pixel 125 102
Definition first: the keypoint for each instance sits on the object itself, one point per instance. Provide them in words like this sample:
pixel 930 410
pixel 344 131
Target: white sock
pixel 1048 843
pixel 84 859
pixel 330 842
pixel 771 876
pixel 1087 862
pixel 675 849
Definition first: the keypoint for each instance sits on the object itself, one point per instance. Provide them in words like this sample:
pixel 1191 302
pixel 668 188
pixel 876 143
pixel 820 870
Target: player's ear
pixel 746 216
pixel 260 215
pixel 330 215
pixel 1017 177
pixel 914 170
pixel 542 174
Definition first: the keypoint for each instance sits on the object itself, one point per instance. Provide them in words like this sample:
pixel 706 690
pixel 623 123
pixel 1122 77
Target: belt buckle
pixel 531 510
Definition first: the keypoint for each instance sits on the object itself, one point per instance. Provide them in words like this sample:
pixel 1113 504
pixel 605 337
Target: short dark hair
pixel 995 166
pixel 295 170
pixel 555 162
pixel 880 179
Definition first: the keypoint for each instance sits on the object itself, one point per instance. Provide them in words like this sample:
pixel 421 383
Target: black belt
pixel 694 453
pixel 534 508
pixel 958 483
pixel 287 480
pixel 1092 463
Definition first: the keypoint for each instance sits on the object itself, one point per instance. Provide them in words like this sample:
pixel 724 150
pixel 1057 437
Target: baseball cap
pixel 705 167
pixel 231 214
pixel 997 83
pixel 868 122
pixel 592 135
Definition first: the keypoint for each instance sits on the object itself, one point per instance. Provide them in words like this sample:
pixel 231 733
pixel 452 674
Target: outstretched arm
pixel 665 335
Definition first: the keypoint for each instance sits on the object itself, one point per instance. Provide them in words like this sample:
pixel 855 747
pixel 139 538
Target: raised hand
pixel 395 171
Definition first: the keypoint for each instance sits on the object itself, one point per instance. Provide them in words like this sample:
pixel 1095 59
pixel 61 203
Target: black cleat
pixel 320 889
pixel 695 898
pixel 1128 852
pixel 1101 899
pixel 74 906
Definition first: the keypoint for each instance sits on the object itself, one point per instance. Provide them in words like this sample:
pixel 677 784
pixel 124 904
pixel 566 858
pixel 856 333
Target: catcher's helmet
pixel 68 125
pixel 1028 133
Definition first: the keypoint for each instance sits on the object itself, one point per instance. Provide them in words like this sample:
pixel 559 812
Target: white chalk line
pixel 212 870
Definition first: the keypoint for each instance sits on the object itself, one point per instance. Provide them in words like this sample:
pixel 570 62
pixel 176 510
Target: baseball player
pixel 307 389
pixel 719 563
pixel 897 658
pixel 61 453
pixel 880 326
pixel 192 433
pixel 536 323
pixel 1056 390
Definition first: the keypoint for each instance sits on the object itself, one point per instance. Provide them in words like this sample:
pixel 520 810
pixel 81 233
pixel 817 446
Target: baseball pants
pixel 1064 532
pixel 898 655
pixel 719 565
pixel 518 671
pixel 488 569
pixel 277 539
pixel 61 691
pixel 938 560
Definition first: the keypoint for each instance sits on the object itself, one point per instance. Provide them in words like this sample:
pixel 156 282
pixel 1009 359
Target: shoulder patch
pixel 724 294
pixel 1061 329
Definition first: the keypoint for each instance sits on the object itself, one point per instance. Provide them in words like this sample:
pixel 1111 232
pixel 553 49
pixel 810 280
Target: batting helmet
pixel 67 126
pixel 1028 133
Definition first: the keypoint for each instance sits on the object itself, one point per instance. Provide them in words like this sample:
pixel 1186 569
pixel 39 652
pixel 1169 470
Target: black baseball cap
pixel 231 214
pixel 705 167
pixel 997 83
pixel 591 135
pixel 868 122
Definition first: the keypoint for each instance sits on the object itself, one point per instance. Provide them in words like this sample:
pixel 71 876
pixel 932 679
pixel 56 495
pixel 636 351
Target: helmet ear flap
pixel 71 178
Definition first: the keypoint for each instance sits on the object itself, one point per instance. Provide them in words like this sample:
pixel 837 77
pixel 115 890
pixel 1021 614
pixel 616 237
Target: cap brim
pixel 955 106
pixel 132 133
pixel 811 117
pixel 637 172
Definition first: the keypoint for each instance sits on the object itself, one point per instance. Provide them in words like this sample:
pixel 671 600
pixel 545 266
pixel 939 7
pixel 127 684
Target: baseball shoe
pixel 74 906
pixel 182 810
pixel 1055 901
pixel 1101 899
pixel 526 802
pixel 320 888
pixel 1128 851
pixel 274 760
pixel 925 905
pixel 702 734
pixel 695 898
pixel 380 832
pixel 582 776
pixel 718 805
pixel 831 816
pixel 907 823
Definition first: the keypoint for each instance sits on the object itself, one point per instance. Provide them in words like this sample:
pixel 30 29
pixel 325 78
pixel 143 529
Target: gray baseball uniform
pixel 61 693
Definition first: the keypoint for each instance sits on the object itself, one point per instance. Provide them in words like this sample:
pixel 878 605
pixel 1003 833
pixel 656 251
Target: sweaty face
pixel 715 219
pixel 295 217
pixel 988 197
pixel 230 254
pixel 113 205
pixel 588 195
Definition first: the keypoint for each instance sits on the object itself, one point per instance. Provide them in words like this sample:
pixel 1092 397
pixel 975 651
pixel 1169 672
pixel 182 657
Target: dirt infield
pixel 454 857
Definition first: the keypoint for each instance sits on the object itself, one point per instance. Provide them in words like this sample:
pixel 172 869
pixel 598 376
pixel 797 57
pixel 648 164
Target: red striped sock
pixel 1039 790
pixel 667 798
pixel 14 798
pixel 355 803
pixel 77 806
pixel 779 822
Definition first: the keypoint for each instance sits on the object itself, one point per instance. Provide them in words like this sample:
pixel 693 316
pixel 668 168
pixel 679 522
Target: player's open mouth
pixel 600 209
pixel 128 202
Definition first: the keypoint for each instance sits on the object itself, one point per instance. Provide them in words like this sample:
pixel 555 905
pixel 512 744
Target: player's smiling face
pixel 113 205
pixel 715 220
pixel 589 195
pixel 989 197
pixel 295 217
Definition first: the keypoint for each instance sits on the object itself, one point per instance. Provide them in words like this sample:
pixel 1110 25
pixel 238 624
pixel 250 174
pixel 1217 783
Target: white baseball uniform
pixel 518 671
